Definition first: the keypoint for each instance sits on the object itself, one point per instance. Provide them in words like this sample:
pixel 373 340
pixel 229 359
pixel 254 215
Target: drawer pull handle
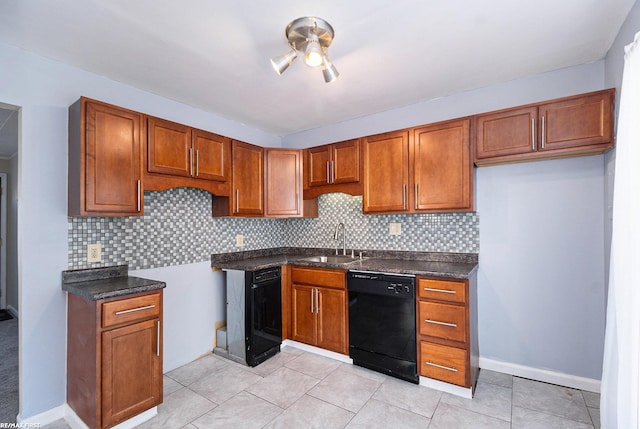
pixel 146 307
pixel 435 322
pixel 448 368
pixel 429 289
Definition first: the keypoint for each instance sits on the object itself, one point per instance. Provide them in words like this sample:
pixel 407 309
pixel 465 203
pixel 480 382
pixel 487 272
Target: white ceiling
pixel 214 54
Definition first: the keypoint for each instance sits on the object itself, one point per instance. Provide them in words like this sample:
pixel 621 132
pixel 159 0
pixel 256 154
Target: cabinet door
pixel 169 146
pixel 442 167
pixel 112 161
pixel 332 320
pixel 131 370
pixel 247 180
pixel 386 177
pixel 283 182
pixel 346 162
pixel 508 132
pixel 318 165
pixel 577 121
pixel 212 156
pixel 303 317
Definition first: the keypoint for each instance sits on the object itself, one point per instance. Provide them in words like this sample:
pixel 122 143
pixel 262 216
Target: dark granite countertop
pixel 108 282
pixel 434 264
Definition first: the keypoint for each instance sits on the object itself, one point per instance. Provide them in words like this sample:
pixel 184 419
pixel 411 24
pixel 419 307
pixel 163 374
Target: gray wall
pixel 506 272
pixel 614 65
pixel 541 282
pixel 44 89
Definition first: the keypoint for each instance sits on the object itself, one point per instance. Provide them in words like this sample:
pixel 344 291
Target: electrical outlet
pixel 395 228
pixel 239 240
pixel 94 252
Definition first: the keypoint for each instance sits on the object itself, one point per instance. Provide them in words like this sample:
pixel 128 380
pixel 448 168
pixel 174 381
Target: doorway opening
pixel 9 287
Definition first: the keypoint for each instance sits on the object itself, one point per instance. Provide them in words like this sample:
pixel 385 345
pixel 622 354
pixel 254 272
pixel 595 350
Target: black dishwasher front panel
pixel 382 323
pixel 263 315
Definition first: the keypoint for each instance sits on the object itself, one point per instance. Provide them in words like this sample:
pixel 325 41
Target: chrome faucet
pixel 344 238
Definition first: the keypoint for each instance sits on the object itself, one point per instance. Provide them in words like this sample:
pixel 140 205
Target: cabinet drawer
pixel 443 363
pixel 442 290
pixel 318 277
pixel 443 321
pixel 130 309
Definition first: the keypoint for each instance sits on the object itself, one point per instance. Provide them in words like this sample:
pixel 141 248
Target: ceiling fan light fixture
pixel 312 36
pixel 282 62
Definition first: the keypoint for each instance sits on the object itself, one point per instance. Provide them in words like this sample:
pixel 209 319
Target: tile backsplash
pixel 177 228
pixel 433 232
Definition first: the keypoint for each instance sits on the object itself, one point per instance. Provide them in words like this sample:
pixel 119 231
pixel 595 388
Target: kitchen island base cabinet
pixel 319 308
pixel 114 357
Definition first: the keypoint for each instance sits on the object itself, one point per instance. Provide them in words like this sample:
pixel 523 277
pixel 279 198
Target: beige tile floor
pixel 297 389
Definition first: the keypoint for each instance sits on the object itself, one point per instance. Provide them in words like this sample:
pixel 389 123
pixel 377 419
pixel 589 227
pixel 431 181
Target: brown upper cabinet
pixel 247 183
pixel 247 179
pixel 386 172
pixel 178 155
pixel 105 156
pixel 420 169
pixel 283 181
pixel 333 168
pixel 442 167
pixel 571 126
pixel 265 182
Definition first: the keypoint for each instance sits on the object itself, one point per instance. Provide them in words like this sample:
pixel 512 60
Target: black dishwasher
pixel 263 315
pixel 254 316
pixel 382 323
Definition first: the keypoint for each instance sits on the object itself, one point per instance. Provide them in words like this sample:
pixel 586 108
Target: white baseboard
pixel 317 350
pixel 45 418
pixel 138 420
pixel 72 418
pixel 76 422
pixel 12 311
pixel 465 392
pixel 545 375
pixel 66 412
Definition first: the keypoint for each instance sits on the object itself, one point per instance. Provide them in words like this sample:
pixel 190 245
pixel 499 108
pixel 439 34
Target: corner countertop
pixel 432 264
pixel 108 282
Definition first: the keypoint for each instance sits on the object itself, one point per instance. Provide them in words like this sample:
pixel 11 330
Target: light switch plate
pixel 239 240
pixel 395 228
pixel 94 252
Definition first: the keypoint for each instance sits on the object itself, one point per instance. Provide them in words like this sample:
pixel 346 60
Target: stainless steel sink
pixel 333 259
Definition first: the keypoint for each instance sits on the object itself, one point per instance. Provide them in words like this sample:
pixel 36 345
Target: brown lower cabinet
pixel 448 330
pixel 114 357
pixel 319 308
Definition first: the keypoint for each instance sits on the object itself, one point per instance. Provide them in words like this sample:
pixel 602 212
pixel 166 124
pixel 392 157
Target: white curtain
pixel 620 390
